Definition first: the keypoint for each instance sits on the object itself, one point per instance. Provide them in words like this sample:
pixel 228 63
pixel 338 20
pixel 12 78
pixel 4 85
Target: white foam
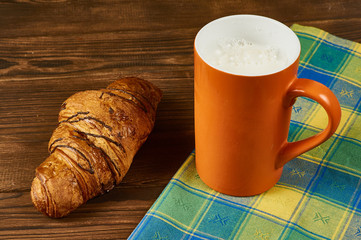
pixel 244 57
pixel 247 45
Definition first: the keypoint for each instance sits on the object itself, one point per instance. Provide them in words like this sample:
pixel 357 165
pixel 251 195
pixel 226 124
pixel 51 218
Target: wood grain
pixel 50 49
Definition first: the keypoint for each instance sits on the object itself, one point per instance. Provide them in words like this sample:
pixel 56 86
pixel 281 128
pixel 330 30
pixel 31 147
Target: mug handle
pixel 302 87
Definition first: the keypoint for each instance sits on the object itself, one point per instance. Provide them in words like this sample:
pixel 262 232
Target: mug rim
pixel 293 59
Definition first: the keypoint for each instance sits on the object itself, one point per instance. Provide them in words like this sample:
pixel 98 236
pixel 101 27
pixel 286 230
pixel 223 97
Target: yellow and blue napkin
pixel 319 193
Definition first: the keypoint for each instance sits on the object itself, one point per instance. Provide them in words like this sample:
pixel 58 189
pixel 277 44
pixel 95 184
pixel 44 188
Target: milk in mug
pixel 242 48
pixel 237 55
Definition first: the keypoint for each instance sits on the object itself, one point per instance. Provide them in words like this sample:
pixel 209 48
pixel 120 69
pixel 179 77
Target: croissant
pixel 91 150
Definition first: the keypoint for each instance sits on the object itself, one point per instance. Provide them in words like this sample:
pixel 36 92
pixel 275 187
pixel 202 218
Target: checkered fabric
pixel 318 195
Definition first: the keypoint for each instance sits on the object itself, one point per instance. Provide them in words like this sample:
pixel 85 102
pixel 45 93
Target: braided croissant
pixel 91 150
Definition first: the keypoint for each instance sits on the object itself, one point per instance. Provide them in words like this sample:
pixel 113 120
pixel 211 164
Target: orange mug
pixel 245 83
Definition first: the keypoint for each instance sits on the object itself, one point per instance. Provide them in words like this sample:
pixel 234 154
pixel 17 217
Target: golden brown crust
pixel 92 148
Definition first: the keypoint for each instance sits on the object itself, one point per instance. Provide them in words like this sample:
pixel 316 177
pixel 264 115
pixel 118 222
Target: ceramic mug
pixel 242 119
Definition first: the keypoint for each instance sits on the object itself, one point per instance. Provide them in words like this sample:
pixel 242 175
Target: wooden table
pixel 50 49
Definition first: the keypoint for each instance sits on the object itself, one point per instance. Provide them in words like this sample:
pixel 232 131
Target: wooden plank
pixel 110 216
pixel 68 17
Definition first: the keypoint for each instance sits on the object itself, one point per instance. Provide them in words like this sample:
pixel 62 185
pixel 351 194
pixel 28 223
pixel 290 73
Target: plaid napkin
pixel 318 195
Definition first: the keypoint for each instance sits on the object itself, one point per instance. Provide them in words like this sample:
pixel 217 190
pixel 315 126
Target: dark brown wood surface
pixel 50 49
